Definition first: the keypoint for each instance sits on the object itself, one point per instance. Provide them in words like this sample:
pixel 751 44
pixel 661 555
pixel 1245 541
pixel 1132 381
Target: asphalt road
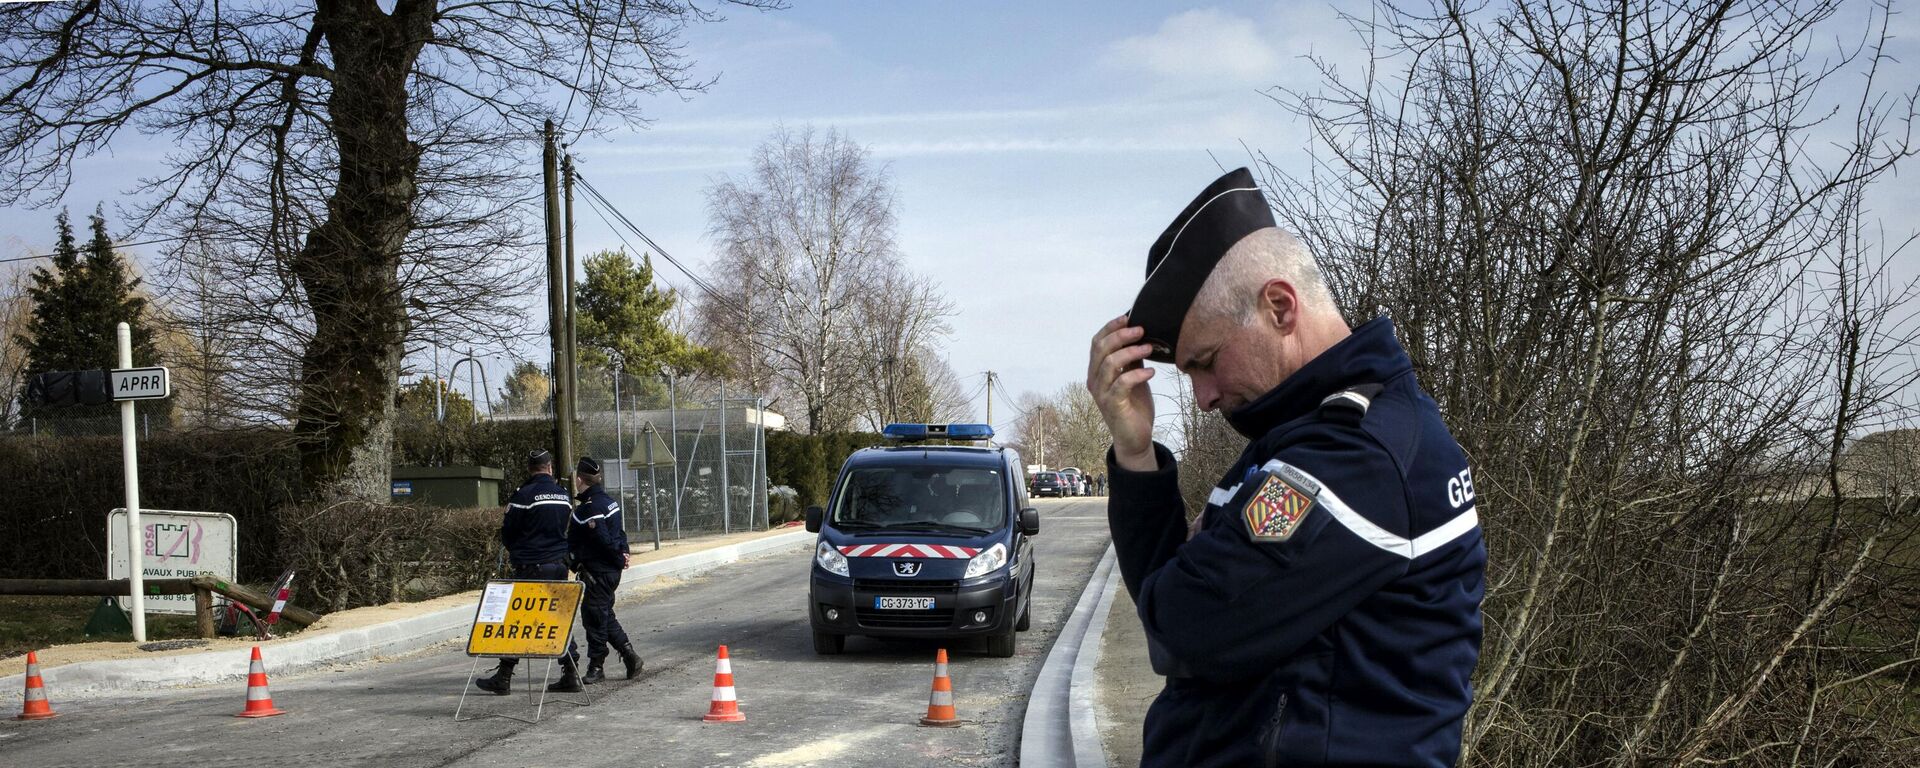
pixel 858 709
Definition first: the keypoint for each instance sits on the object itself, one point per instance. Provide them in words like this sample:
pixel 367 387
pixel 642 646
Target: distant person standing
pixel 598 543
pixel 534 531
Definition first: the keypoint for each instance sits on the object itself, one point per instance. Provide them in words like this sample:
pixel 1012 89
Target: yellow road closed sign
pixel 530 619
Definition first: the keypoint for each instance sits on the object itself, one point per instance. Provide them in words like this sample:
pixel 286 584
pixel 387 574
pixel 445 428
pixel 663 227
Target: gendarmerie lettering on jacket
pixel 534 529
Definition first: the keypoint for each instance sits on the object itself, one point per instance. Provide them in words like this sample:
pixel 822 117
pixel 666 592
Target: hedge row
pixel 809 463
pixel 55 493
pixel 352 554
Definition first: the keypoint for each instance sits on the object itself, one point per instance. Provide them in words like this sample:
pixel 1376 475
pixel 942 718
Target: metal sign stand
pixel 537 696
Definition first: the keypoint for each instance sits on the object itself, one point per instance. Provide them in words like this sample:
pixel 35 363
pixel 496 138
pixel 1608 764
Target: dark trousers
pixel 546 572
pixel 596 611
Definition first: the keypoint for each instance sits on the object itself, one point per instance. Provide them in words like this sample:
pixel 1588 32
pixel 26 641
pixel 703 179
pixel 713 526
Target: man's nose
pixel 1204 391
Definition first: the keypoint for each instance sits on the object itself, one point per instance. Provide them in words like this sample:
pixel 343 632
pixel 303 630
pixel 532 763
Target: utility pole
pixel 726 489
pixel 439 413
pixel 557 303
pixel 989 399
pixel 573 352
pixel 892 414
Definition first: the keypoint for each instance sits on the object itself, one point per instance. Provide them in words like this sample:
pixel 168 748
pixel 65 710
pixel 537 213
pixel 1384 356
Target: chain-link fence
pixel 684 456
pixel 74 425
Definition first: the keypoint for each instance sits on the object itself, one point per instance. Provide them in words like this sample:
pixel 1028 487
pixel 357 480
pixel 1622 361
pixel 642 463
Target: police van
pixel 925 538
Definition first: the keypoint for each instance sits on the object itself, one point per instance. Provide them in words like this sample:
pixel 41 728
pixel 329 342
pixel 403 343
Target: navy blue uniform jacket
pixel 597 538
pixel 1327 611
pixel 535 528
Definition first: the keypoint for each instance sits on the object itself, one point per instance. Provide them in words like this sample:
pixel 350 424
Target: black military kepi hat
pixel 587 465
pixel 1185 254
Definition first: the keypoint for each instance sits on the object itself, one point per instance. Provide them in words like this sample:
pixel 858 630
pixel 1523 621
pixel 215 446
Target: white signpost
pixel 174 545
pixel 136 384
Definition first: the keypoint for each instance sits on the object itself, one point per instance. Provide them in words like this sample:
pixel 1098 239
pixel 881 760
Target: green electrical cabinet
pixel 447 486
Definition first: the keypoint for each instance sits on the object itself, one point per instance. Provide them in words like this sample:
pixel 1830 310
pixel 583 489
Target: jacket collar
pixel 1369 355
pixel 589 493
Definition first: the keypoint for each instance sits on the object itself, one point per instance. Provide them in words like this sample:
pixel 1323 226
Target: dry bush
pixel 353 554
pixel 1628 248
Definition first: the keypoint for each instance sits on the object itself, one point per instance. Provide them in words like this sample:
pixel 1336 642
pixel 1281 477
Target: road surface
pixel 858 709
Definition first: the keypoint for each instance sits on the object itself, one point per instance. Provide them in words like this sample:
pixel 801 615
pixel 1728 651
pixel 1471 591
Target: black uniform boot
pixel 569 681
pixel 595 671
pixel 631 658
pixel 500 684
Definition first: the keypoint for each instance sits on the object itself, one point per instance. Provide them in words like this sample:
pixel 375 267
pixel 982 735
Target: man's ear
pixel 1280 304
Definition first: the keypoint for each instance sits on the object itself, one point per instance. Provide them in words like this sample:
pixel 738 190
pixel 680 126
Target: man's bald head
pixel 1263 313
pixel 1234 288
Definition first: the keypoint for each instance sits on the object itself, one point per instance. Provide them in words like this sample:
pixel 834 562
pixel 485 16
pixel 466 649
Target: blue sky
pixel 1036 148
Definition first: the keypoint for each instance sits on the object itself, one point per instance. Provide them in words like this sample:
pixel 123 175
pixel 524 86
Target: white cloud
pixel 1204 45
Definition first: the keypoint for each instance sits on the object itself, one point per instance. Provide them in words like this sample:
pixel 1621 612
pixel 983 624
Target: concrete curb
pixel 1049 737
pixel 1084 689
pixel 93 678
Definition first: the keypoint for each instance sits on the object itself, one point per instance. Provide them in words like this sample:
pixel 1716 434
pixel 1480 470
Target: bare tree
pixel 803 238
pixel 1062 430
pixel 363 169
pixel 900 319
pixel 1651 312
pixel 15 308
pixel 1034 432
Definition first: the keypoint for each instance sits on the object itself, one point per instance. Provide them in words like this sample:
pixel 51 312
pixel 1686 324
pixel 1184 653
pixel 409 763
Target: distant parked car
pixel 1076 482
pixel 1047 484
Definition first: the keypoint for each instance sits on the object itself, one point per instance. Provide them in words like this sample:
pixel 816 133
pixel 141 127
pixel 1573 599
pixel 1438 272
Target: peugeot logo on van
pixel 906 568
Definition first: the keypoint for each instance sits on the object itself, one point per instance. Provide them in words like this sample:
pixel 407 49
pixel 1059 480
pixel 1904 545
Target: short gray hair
pixel 1233 289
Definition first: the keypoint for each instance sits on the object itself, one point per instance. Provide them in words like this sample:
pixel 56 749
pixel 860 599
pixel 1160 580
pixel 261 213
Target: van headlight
pixel 831 559
pixel 986 562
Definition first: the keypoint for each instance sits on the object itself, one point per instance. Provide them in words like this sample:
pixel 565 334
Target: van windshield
pixel 921 497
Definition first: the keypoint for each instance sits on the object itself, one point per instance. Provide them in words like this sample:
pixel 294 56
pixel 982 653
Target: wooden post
pixel 106 587
pixel 255 600
pixel 203 610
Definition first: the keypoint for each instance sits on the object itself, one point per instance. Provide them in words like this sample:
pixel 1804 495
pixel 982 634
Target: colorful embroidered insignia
pixel 1274 511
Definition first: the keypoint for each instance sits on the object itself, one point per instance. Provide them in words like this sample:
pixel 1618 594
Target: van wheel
pixel 1026 618
pixel 828 643
pixel 1001 645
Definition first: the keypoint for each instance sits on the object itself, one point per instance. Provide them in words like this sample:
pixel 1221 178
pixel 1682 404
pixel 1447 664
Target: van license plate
pixel 903 603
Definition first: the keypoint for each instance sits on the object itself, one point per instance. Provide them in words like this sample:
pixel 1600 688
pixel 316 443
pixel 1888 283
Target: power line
pixel 747 337
pixel 702 284
pixel 115 245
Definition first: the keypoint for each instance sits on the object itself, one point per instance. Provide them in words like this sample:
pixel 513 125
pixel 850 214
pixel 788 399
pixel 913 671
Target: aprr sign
pixel 530 619
pixel 139 383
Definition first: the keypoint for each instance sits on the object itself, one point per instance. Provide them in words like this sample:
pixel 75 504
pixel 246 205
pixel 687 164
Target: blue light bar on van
pixel 912 432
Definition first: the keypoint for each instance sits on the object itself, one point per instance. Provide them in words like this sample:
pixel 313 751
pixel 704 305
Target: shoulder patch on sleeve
pixel 1275 510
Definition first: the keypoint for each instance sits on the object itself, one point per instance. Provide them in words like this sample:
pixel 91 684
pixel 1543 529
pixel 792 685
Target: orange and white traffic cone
pixel 940 705
pixel 36 707
pixel 259 699
pixel 726 706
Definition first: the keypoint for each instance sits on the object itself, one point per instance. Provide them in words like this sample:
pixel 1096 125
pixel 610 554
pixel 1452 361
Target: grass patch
pixel 34 622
